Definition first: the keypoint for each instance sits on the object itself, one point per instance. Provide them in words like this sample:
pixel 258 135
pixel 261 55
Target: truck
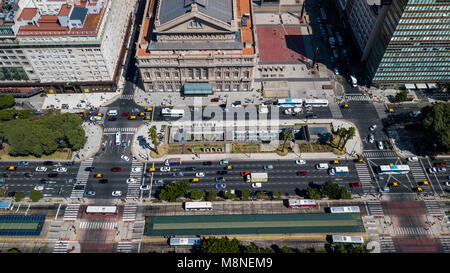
pixel 338 170
pixel 257 177
pixel 173 162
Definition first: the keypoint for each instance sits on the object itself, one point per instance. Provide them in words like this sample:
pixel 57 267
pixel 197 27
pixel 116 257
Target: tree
pixel 222 245
pixel 229 195
pixel 24 114
pixel 330 189
pixel 313 193
pixel 197 195
pixel 261 195
pixel 436 124
pixel 212 195
pixel 349 134
pixel 6 101
pixel 341 132
pixel 245 194
pixel 286 249
pixel 7 114
pixel 401 96
pixel 278 195
pixel 287 134
pixel 171 192
pixel 154 137
pixel 19 196
pixel 36 196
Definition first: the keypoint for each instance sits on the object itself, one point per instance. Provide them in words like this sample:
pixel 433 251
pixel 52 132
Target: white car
pixel 300 162
pixel 447 183
pixel 124 157
pixel 61 170
pixel 373 127
pixel 165 169
pixel 432 170
pixel 131 180
pixel 41 169
pixel 256 185
pixel 371 138
pixel 136 170
pixel 117 193
pixel 413 159
pixel 226 110
pixel 380 145
pixel 200 174
pixel 144 187
pixel 95 118
pixel 38 188
pixel 336 71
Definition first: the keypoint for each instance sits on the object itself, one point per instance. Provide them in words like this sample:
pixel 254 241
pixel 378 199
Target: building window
pixel 175 74
pixel 161 87
pixel 147 75
pixel 236 74
pixel 205 73
pixel 158 75
pixel 245 87
pixel 167 74
pixel 227 87
pixel 246 74
pixel 190 74
pixel 218 74
pixel 227 74
pixel 178 87
pixel 197 73
pixel 235 87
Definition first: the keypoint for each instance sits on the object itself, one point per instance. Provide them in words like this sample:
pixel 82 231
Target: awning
pixel 197 89
pixel 410 86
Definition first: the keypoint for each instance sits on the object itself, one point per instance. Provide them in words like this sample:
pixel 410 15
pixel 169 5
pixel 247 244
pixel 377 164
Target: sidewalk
pixel 79 102
pixel 382 96
pixel 94 134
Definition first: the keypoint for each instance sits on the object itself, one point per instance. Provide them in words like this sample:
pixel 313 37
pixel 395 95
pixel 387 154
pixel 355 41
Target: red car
pixel 245 173
pixel 440 164
pixel 356 185
pixel 302 173
pixel 116 169
pixel 126 114
pixel 214 99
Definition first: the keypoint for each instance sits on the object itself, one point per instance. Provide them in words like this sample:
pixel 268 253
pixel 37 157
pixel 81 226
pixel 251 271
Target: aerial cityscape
pixel 224 126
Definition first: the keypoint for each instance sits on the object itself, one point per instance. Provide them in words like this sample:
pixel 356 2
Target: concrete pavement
pixel 94 134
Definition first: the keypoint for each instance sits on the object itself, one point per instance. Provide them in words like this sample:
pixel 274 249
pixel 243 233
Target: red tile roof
pixel 64 11
pixel 28 14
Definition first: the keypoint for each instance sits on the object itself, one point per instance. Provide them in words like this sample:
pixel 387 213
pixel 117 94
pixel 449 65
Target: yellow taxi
pixel 149 109
pixel 394 184
pixel 151 170
pixel 229 167
pixel 194 180
pixel 11 168
pixel 345 106
pixel 391 164
pixel 141 114
pixel 147 118
pixel 425 183
pixel 132 117
pixel 419 189
pixel 391 110
pixel 100 114
pixel 99 175
pixel 335 161
pixel 361 160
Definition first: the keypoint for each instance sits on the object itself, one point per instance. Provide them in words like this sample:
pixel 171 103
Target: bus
pixel 323 14
pixel 185 241
pixel 301 203
pixel 347 239
pixel 349 209
pixel 393 169
pixel 316 103
pixel 290 102
pixel 118 135
pixel 104 210
pixel 197 206
pixel 168 112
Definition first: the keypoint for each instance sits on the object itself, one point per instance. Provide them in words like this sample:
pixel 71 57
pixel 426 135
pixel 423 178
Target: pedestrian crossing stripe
pixel 97 225
pixel 411 230
pixel 61 247
pixel 375 208
pixel 71 212
pixel 124 247
pixel 445 242
pixel 109 130
pixel 433 207
pixel 386 154
pixel 417 171
pixel 357 98
pixel 387 245
pixel 335 111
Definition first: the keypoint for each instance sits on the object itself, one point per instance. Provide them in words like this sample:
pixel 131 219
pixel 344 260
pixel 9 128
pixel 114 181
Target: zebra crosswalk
pixel 133 188
pixel 129 213
pixel 82 178
pixel 417 171
pixel 335 111
pixel 387 245
pixel 411 230
pixel 379 154
pixel 374 208
pixel 122 130
pixel 61 247
pixel 97 225
pixel 71 212
pixel 125 247
pixel 126 97
pixel 357 98
pixel 363 174
pixel 445 242
pixel 433 207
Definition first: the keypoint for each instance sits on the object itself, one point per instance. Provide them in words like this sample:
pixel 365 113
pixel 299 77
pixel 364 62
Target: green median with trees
pixel 329 189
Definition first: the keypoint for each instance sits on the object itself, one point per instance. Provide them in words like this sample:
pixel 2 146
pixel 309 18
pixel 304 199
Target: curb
pixel 96 151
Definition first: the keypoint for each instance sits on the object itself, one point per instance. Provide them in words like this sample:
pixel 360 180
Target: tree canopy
pixel 436 123
pixel 6 101
pixel 172 191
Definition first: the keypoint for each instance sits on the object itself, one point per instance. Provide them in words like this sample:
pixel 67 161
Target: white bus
pixel 393 169
pixel 350 209
pixel 301 203
pixel 118 135
pixel 290 102
pixel 197 206
pixel 168 112
pixel 316 103
pixel 185 241
pixel 348 239
pixel 110 210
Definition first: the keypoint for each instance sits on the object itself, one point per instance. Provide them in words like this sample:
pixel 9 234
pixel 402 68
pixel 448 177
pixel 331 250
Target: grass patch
pixel 246 148
pixel 186 148
pixel 315 147
pixel 66 154
pixel 162 149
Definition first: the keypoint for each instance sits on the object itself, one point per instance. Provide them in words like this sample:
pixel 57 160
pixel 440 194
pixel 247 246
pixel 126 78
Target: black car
pixel 89 169
pixel 48 163
pixel 222 172
pixel 103 181
pixel 52 175
pixel 79 187
pixel 311 116
pixel 6 174
pixel 112 118
pixel 43 181
pixel 11 193
pixel 190 168
pixel 207 163
pixel 28 175
pixel 70 163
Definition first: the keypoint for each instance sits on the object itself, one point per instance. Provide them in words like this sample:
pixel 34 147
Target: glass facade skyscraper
pixel 413 45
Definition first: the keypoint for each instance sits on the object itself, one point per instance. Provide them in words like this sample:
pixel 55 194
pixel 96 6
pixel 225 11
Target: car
pixel 28 174
pixel 190 168
pixel 144 187
pixel 201 174
pixel 178 174
pixel 38 188
pixel 256 185
pixel 220 179
pixel 2 180
pixel 215 99
pixel 413 159
pixel 79 187
pixel 131 180
pixel 41 169
pixel 69 163
pixel 68 181
pixel 124 144
pixel 89 193
pixel 441 170
pixel 11 193
pixel 440 164
pixel 356 185
pixel 95 118
pixel 89 169
pixel 61 170
pixel 99 175
pixel 311 116
pixel 23 163
pixel 112 113
pixel 135 110
pixel 116 169
pixel 336 71
pixel 373 127
pixel 53 175
pixel 302 173
pixel 124 157
pixel 268 167
pixel 158 182
pixel 48 163
pixel 112 118
pixel 103 181
pixel 125 114
pixel 300 162
pixel 379 178
pixel 165 169
pixel 222 172
pixel 414 114
pixel 447 183
pixel 432 170
pixel 220 186
pixel 43 181
pixel 384 189
pixel 380 145
pixel 116 193
pixel 371 138
pixel 245 173
pixel 331 171
pixel 207 163
pixel 136 170
pixel 223 162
